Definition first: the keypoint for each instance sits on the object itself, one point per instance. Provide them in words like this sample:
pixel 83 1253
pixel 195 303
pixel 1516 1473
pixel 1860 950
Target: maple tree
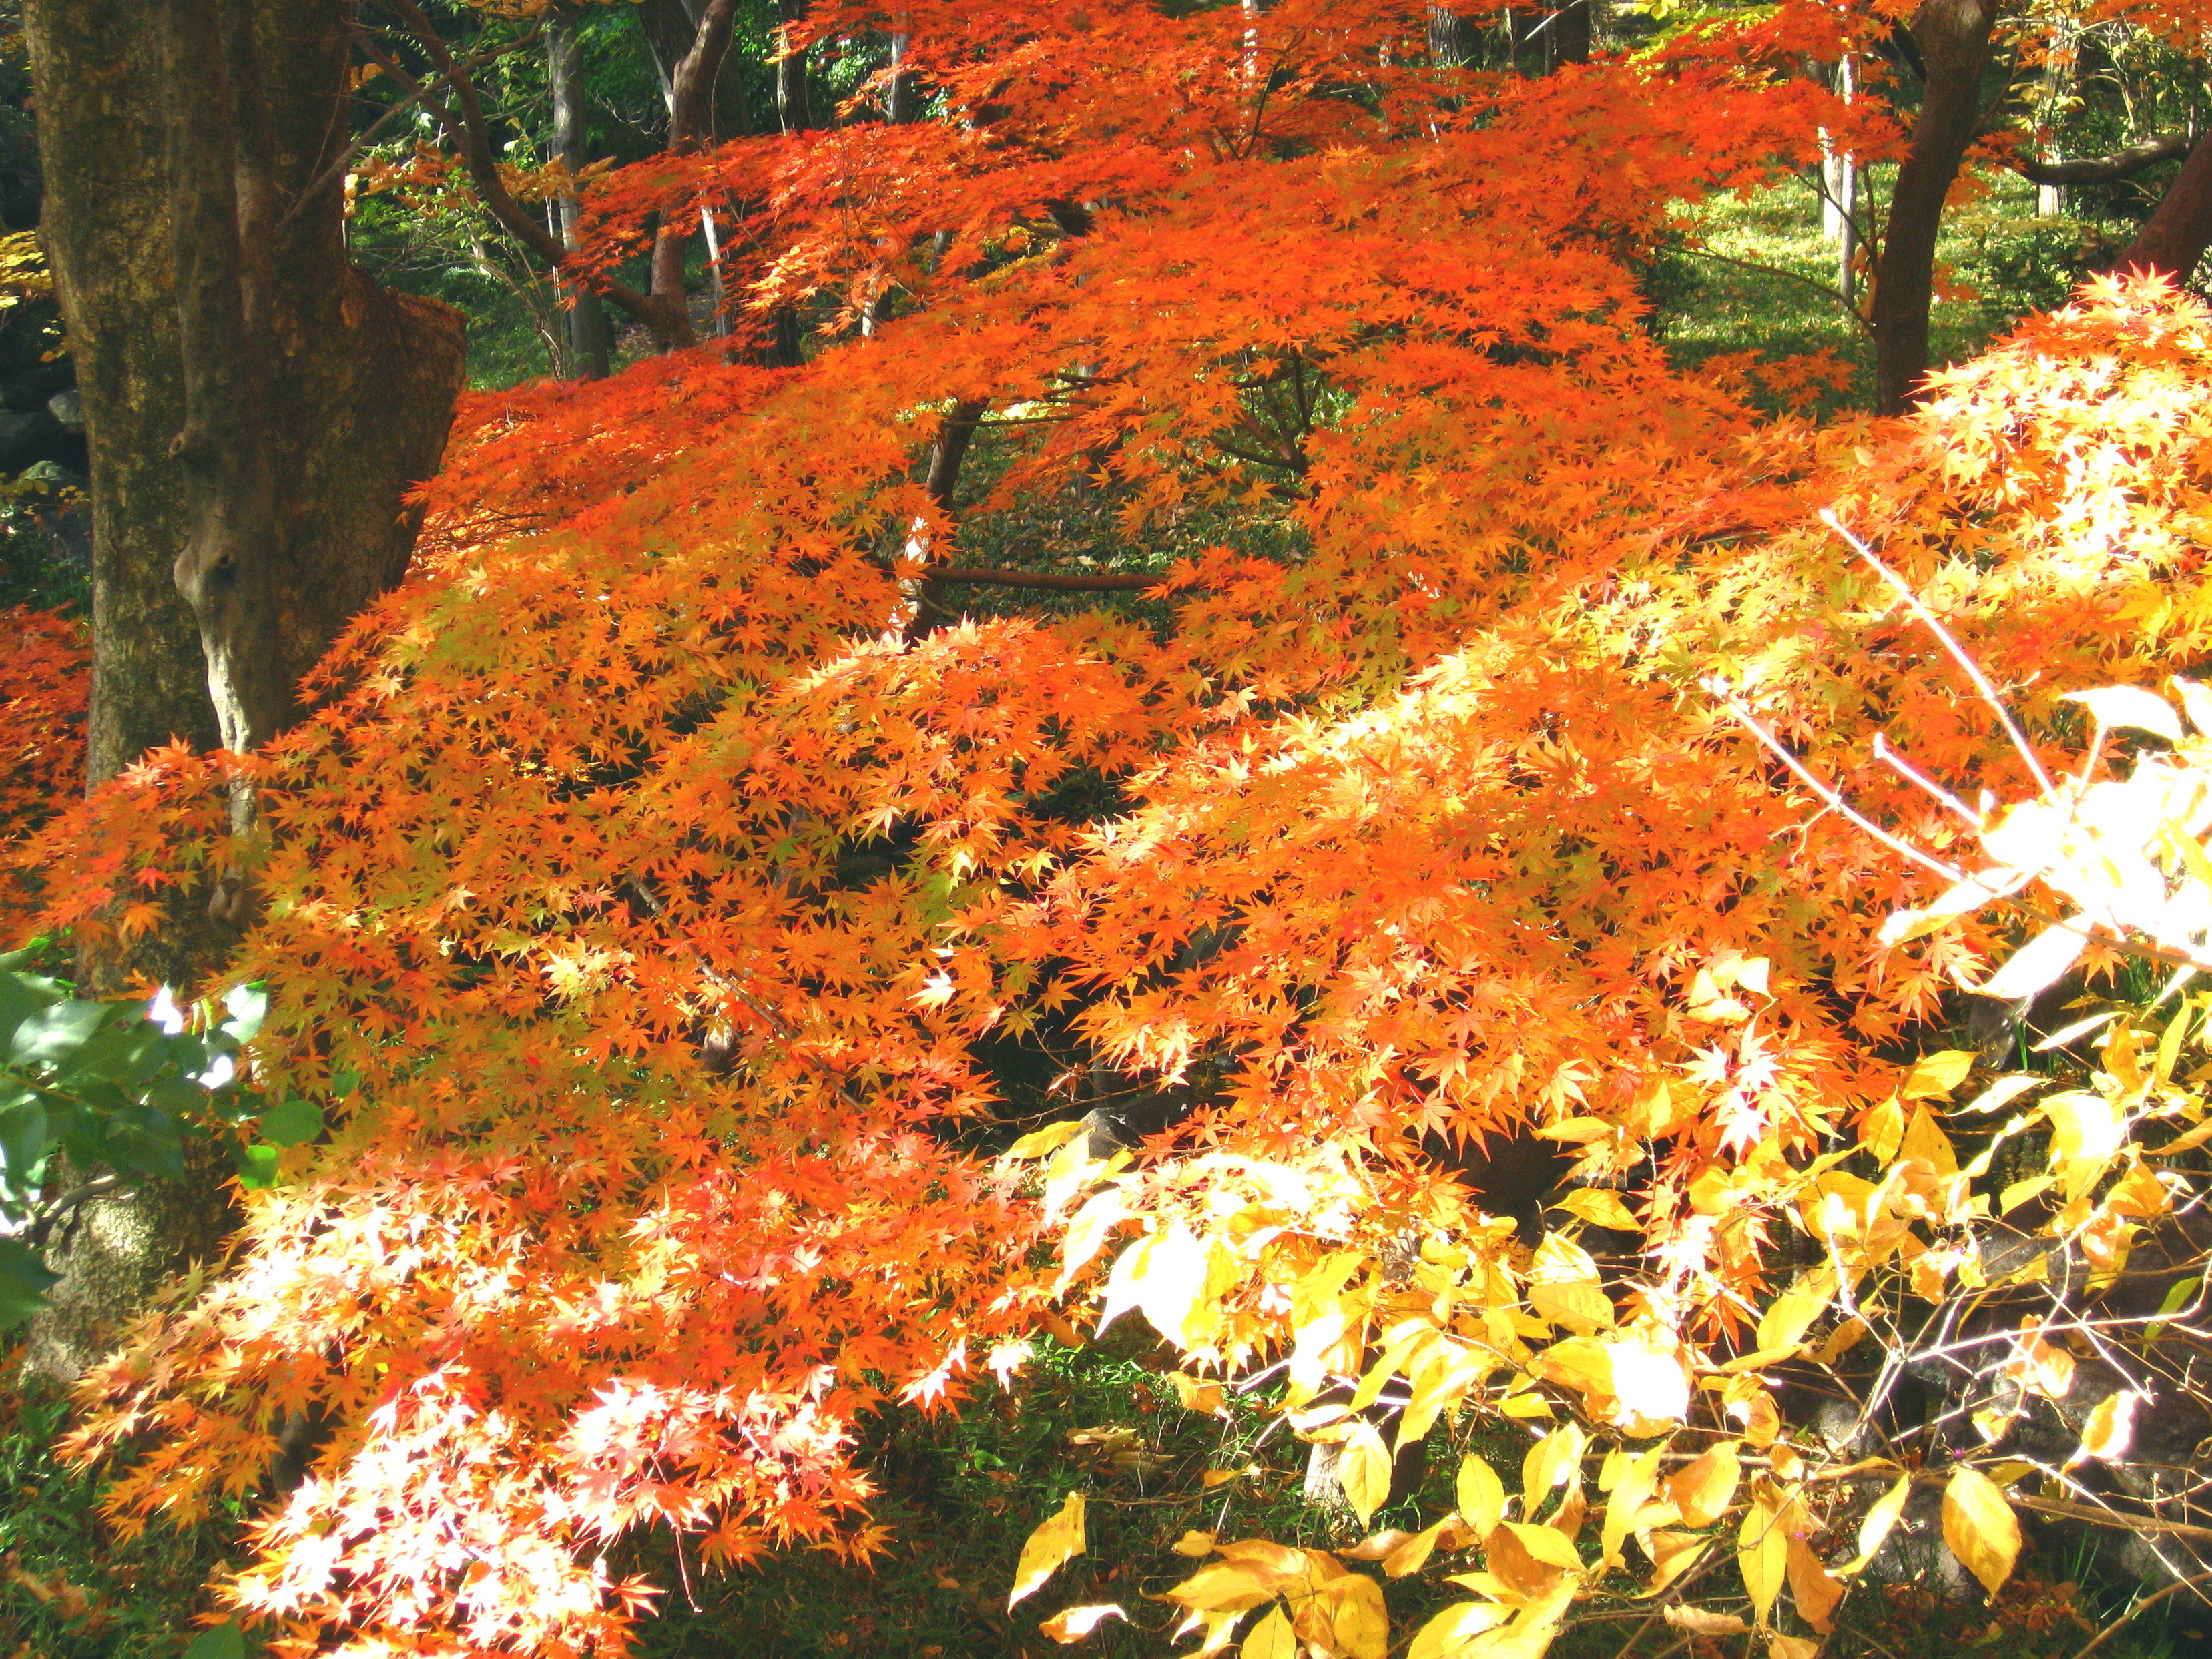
pixel 657 878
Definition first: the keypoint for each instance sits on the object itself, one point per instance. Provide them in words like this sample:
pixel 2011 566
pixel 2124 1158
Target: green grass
pixel 1755 274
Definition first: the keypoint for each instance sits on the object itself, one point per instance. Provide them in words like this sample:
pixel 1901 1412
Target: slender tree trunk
pixel 2174 238
pixel 2057 71
pixel 256 410
pixel 1840 198
pixel 1953 39
pixel 791 105
pixel 899 101
pixel 794 115
pixel 590 344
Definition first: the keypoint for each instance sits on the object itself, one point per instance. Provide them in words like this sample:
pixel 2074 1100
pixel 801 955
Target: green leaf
pixel 291 1124
pixel 55 1033
pixel 24 1281
pixel 2177 1298
pixel 22 996
pixel 105 1055
pixel 247 1005
pixel 23 1144
pixel 343 1084
pixel 143 1140
pixel 257 1167
pixel 218 1642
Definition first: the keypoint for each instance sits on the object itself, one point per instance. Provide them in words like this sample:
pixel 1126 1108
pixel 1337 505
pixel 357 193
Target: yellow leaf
pixel 1271 1638
pixel 2039 962
pixel 1792 1647
pixel 1482 1495
pixel 1650 1384
pixel 1762 1421
pixel 1359 1625
pixel 1840 1341
pixel 1812 1588
pixel 2132 707
pixel 1934 1076
pixel 1563 1286
pixel 2003 1091
pixel 1600 1208
pixel 1548 1464
pixel 1213 1477
pixel 1703 1489
pixel 1196 1394
pixel 1673 1554
pixel 1883 1128
pixel 1762 1553
pixel 1788 1315
pixel 1636 1482
pixel 2110 1426
pixel 1980 1528
pixel 1057 1540
pixel 1363 1470
pixel 1880 1518
pixel 1076 1623
pixel 1698 1621
pixel 1378 1544
pixel 1173 1280
pixel 1546 1545
pixel 1087 1233
pixel 1411 1555
pixel 1050 1138
pixel 1193 1542
pixel 1454 1631
pixel 1226 1587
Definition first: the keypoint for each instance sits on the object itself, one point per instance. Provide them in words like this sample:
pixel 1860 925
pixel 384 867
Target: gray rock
pixel 68 408
pixel 26 439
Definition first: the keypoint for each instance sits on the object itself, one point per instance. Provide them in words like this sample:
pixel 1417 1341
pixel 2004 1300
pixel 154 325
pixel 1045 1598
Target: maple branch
pixel 468 133
pixel 49 1214
pixel 344 163
pixel 1832 796
pixel 2108 169
pixel 1817 286
pixel 1102 583
pixel 1958 652
pixel 2097 1641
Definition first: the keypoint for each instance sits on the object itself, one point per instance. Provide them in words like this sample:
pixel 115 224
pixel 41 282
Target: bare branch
pixel 2105 169
pixel 1102 583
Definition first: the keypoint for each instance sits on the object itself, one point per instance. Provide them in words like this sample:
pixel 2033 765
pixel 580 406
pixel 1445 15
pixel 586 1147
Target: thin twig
pixel 1905 769
pixel 2098 1640
pixel 1988 692
pixel 1834 800
pixel 1102 583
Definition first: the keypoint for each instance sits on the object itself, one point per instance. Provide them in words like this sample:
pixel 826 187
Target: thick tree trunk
pixel 1571 35
pixel 1953 40
pixel 672 28
pixel 2174 238
pixel 285 524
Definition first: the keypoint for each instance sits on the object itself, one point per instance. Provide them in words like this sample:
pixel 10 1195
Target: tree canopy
pixel 703 920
